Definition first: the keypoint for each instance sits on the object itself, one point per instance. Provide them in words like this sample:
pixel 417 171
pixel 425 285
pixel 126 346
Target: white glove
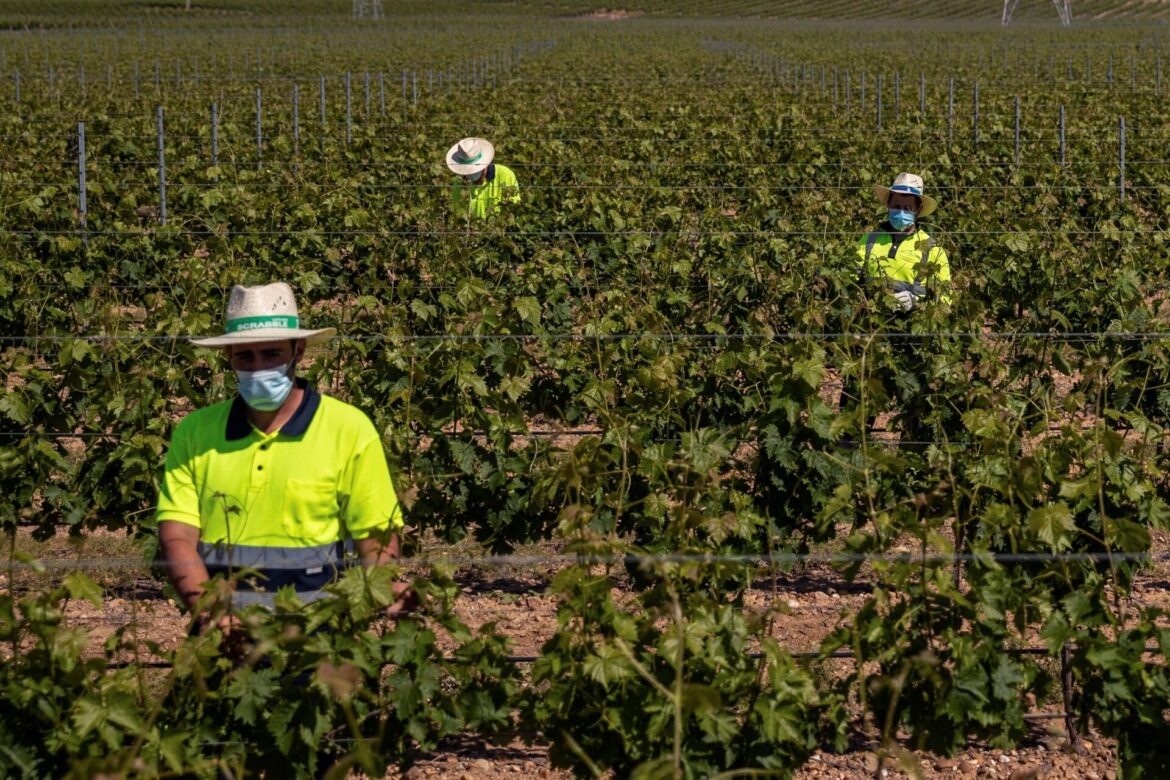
pixel 906 299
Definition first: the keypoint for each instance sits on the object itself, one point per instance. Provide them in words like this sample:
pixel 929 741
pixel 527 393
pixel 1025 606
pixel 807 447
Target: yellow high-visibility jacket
pixel 482 200
pixel 905 262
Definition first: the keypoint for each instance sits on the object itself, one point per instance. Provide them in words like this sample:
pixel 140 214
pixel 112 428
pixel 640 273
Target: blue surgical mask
pixel 265 390
pixel 901 219
pixel 470 181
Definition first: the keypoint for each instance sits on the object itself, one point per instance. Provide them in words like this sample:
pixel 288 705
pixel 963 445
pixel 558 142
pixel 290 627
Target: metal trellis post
pixel 82 204
pixel 1121 158
pixel 162 170
pixel 214 135
pixel 259 129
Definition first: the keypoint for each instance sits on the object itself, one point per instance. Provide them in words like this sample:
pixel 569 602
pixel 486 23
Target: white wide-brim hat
pixel 267 312
pixel 910 184
pixel 469 156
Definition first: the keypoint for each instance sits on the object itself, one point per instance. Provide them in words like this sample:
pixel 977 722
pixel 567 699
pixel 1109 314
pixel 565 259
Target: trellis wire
pixel 562 233
pixel 1055 336
pixel 690 188
pixel 762 143
pixel 814 132
pixel 82 563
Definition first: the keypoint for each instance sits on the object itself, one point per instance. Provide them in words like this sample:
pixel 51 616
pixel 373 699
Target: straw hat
pixel 910 184
pixel 469 156
pixel 267 312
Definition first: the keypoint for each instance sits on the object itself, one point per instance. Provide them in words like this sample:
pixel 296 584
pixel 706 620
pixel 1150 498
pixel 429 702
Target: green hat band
pixel 244 324
pixel 468 160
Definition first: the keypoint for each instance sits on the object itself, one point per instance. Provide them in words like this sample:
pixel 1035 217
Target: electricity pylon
pixel 1063 9
pixel 367 9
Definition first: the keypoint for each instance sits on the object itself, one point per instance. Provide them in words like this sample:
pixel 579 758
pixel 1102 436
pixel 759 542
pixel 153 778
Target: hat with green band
pixel 471 155
pixel 267 312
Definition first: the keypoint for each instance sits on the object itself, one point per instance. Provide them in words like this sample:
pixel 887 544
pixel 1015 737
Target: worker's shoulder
pixel 210 420
pixel 924 241
pixel 505 174
pixel 338 414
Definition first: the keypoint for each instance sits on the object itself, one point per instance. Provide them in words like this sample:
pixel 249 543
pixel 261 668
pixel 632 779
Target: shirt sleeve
pixel 942 273
pixel 370 501
pixel 178 498
pixel 511 193
pixel 866 268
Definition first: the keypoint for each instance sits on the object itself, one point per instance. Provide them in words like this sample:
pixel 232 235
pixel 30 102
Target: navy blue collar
pixel 897 236
pixel 238 426
pixel 491 173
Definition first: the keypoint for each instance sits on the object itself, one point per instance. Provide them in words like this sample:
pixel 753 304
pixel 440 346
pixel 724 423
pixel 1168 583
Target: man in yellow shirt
pixel 902 254
pixel 483 185
pixel 281 480
pixel 901 257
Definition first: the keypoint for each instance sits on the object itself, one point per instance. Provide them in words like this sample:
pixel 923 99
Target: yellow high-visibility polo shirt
pixel 284 503
pixel 911 261
pixel 483 199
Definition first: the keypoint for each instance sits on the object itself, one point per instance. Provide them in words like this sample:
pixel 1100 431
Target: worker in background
pixel 908 271
pixel 483 185
pixel 900 253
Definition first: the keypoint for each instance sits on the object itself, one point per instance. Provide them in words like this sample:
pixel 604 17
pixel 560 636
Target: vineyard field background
pixel 686 498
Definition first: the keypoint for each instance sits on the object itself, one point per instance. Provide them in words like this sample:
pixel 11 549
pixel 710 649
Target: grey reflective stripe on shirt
pixel 870 240
pixel 222 556
pixel 242 599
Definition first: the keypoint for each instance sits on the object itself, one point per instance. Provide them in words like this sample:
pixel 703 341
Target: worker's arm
pixel 378 548
pixel 941 268
pixel 372 515
pixel 510 188
pixel 381 548
pixel 185 568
